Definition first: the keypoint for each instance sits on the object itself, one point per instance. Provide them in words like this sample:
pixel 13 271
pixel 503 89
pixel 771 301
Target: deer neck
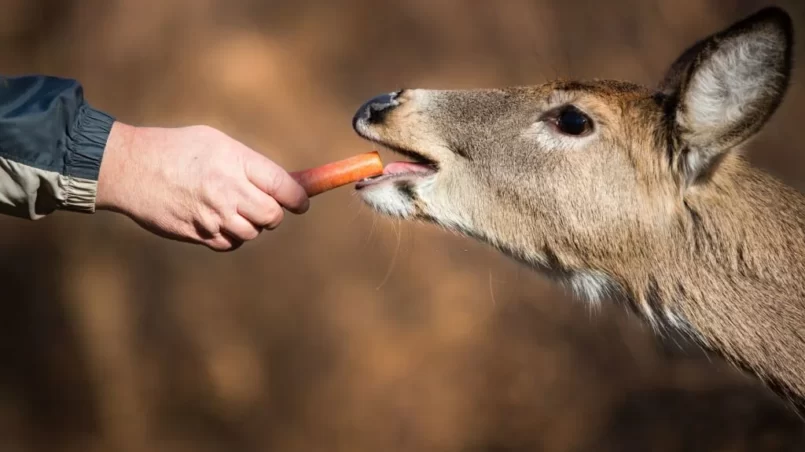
pixel 734 279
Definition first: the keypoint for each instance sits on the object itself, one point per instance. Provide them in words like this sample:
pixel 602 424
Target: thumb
pixel 277 183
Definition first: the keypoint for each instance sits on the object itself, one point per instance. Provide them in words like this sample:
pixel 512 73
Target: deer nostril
pixel 375 109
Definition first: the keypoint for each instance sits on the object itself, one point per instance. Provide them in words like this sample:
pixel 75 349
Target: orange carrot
pixel 336 174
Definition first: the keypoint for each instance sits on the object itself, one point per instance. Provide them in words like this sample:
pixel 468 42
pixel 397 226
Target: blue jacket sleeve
pixel 51 146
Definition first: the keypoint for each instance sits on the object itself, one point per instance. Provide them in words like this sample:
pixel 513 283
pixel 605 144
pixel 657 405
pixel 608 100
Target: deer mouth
pixel 373 121
pixel 418 167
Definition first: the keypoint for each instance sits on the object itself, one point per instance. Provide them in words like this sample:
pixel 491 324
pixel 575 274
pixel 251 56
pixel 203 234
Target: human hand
pixel 194 184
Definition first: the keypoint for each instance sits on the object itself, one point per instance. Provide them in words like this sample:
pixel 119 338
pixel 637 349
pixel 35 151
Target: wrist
pixel 113 167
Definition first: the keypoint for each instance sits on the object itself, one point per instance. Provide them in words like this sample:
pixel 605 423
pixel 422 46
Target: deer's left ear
pixel 723 89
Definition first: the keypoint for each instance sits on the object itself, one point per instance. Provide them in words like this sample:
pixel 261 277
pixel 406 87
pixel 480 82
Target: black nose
pixel 374 110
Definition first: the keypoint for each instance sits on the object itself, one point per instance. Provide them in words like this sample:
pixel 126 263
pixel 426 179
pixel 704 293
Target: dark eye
pixel 571 121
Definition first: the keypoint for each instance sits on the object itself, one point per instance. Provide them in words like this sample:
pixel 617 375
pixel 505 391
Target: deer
pixel 624 193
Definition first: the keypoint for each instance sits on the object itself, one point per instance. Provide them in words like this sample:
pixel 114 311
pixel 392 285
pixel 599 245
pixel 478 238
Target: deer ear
pixel 723 89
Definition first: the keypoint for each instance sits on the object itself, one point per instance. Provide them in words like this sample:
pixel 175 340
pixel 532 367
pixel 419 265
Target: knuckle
pixel 274 217
pixel 221 194
pixel 248 233
pixel 207 193
pixel 241 228
pixel 207 226
pixel 218 177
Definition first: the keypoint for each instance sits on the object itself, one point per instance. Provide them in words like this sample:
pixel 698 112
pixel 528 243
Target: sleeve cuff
pixel 85 146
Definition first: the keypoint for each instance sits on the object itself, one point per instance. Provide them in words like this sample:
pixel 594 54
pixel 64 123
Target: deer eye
pixel 571 121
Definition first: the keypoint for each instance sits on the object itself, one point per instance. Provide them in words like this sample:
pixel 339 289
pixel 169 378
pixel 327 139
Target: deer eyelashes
pixel 569 120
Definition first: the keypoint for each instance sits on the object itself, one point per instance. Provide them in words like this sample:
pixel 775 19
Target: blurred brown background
pixel 342 331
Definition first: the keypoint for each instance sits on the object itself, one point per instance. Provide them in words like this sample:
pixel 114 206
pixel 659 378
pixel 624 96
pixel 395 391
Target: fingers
pixel 223 242
pixel 260 209
pixel 241 229
pixel 207 232
pixel 277 183
pixel 255 212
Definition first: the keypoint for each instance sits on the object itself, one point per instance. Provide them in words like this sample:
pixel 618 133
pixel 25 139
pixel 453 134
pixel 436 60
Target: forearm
pixel 52 143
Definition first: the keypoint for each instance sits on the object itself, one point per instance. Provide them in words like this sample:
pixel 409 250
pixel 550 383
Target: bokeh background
pixel 342 331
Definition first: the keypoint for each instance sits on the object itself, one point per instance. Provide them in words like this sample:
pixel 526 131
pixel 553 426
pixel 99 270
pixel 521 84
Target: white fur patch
pixel 592 286
pixel 674 320
pixel 387 199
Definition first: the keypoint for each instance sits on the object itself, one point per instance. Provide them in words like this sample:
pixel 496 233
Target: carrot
pixel 336 174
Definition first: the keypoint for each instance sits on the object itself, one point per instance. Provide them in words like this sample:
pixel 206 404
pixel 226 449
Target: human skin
pixel 194 184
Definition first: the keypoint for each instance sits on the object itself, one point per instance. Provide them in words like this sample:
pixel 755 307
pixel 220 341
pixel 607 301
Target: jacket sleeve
pixel 51 146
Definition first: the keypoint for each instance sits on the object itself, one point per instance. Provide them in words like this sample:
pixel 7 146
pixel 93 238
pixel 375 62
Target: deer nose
pixel 376 108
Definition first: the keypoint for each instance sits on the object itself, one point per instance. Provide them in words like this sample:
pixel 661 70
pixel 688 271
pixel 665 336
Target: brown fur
pixel 656 208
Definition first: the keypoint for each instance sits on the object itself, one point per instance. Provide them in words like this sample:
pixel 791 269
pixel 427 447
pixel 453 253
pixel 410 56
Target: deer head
pixel 623 191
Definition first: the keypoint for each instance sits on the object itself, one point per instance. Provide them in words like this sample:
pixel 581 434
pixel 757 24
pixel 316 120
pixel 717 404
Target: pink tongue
pixel 406 167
